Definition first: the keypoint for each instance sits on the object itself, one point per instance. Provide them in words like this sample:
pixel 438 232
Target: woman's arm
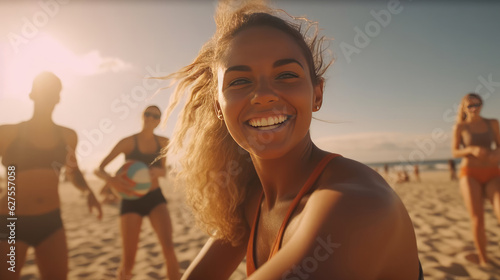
pixel 117 183
pixel 456 151
pixel 495 154
pixel 118 149
pixel 217 260
pixel 75 175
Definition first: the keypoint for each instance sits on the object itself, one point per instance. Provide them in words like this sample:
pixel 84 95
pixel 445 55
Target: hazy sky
pixel 392 91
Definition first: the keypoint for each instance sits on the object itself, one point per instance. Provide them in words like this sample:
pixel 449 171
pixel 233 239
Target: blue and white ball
pixel 137 174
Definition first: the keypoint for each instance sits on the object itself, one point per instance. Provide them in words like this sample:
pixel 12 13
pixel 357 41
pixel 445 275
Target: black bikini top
pixel 24 155
pixel 146 158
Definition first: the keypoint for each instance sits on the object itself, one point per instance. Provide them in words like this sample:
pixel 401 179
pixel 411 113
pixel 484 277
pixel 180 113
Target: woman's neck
pixel 147 133
pixel 472 119
pixel 282 178
pixel 42 117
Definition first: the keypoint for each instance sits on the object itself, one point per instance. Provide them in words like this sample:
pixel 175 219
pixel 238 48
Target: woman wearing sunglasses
pixel 144 146
pixel 477 141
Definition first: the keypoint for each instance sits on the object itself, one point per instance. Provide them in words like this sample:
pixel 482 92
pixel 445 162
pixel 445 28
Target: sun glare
pixel 45 53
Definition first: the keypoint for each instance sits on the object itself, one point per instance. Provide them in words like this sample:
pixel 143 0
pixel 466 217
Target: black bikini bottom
pixel 143 205
pixel 30 229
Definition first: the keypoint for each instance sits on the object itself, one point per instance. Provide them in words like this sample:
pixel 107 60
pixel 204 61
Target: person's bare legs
pixel 130 225
pixel 20 251
pixel 493 194
pixel 160 220
pixel 52 256
pixel 472 193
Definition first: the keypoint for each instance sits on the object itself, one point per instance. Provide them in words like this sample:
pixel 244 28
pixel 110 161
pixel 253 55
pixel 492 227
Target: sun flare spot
pixel 45 53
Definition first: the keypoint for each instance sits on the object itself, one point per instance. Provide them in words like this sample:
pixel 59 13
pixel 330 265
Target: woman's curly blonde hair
pixel 215 171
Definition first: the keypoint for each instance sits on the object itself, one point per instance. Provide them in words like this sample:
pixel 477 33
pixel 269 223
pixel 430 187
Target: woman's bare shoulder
pixel 128 141
pixel 354 192
pixel 163 140
pixel 9 129
pixel 9 133
pixel 459 126
pixel 356 207
pixel 350 175
pixel 67 132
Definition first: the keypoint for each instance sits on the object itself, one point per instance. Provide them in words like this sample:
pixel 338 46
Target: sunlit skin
pixel 261 90
pixel 265 74
pixel 37 189
pixel 130 223
pixel 473 192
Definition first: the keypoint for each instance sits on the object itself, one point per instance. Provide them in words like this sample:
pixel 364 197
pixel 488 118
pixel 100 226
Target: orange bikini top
pixel 251 266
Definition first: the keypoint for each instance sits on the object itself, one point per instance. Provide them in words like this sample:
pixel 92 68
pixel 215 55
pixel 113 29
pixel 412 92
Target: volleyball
pixel 137 174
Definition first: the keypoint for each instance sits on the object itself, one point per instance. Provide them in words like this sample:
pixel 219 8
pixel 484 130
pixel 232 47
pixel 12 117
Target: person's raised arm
pixel 75 175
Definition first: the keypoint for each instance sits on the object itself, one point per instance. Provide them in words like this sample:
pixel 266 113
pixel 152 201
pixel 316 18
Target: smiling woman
pixel 278 95
pixel 257 182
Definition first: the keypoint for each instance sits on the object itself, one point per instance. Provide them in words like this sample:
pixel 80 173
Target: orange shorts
pixel 482 174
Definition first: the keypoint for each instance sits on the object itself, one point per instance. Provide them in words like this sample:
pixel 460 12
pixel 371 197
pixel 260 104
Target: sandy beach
pixel 441 223
pixel 95 246
pixel 443 229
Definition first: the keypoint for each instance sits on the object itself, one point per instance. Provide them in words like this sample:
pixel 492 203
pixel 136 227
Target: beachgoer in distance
pixel 416 172
pixel 453 170
pixel 36 150
pixel 477 141
pixel 144 146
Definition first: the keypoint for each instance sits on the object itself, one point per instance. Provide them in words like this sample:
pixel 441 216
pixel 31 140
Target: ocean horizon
pixel 425 165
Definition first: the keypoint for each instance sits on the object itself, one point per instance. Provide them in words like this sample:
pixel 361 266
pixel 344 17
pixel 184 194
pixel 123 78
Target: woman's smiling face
pixel 265 91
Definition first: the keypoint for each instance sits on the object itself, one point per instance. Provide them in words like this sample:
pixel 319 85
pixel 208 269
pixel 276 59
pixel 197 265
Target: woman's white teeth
pixel 270 121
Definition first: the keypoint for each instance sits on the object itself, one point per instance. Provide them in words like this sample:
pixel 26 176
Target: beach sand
pixel 443 229
pixel 442 226
pixel 95 246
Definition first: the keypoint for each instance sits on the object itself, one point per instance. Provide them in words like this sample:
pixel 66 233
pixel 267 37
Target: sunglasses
pixel 154 116
pixel 475 105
